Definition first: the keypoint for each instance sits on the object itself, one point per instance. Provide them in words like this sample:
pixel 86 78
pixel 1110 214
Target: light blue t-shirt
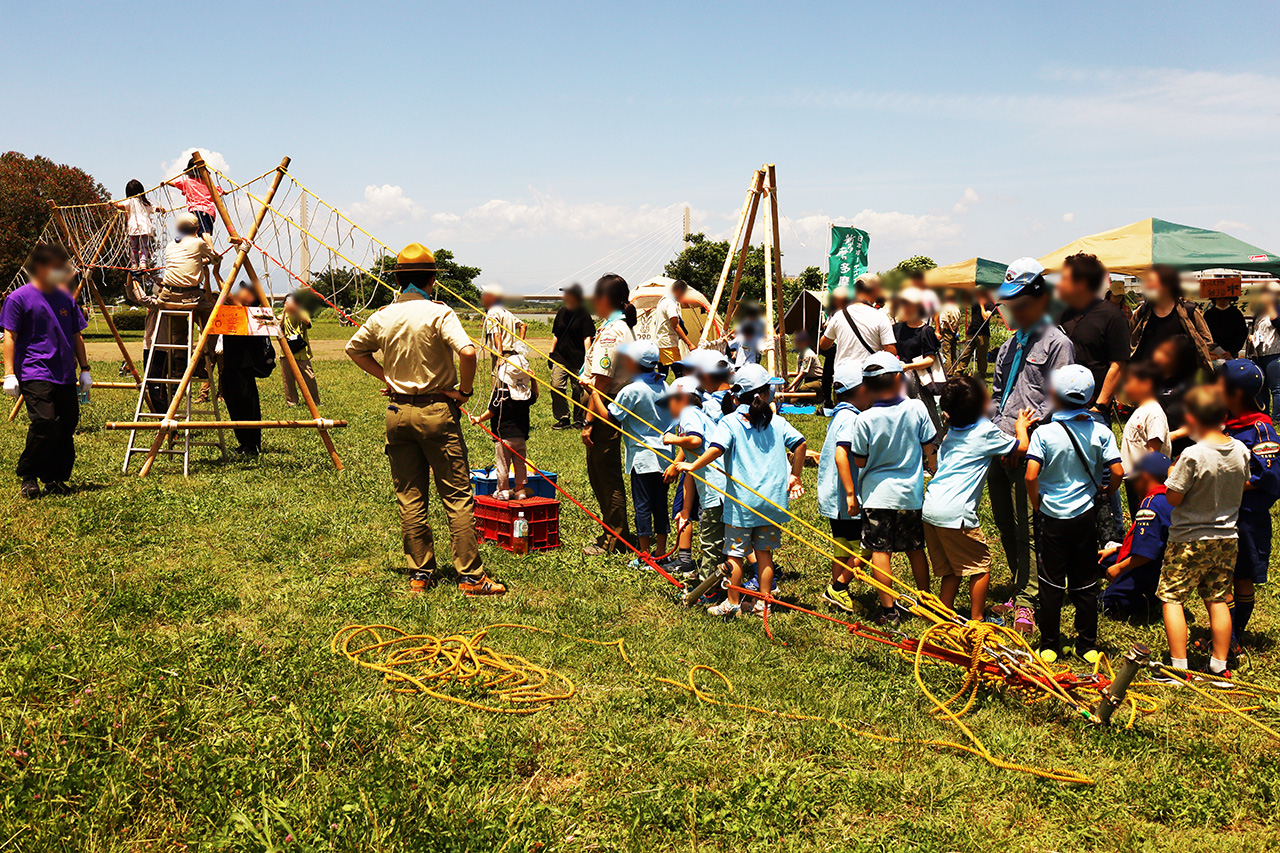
pixel 641 396
pixel 963 459
pixel 1067 487
pixel 832 497
pixel 891 435
pixel 757 457
pixel 711 404
pixel 694 421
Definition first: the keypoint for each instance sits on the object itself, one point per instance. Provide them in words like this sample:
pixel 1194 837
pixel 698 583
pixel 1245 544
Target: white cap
pixel 492 289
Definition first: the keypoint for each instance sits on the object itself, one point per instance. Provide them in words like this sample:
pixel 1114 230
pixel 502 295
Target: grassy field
pixel 166 683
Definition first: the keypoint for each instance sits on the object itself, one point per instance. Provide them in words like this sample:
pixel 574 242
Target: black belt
pixel 418 399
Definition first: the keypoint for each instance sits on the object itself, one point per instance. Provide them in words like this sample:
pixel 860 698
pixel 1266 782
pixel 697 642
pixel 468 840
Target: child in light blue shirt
pixel 635 409
pixel 892 441
pixel 837 484
pixel 754 443
pixel 956 546
pixel 1067 465
pixel 691 434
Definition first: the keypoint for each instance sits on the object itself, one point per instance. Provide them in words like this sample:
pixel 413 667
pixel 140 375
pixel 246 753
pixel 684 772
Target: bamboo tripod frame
pixel 764 187
pixel 168 424
pixel 86 281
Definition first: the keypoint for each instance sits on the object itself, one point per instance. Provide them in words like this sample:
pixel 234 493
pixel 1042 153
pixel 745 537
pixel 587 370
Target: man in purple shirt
pixel 42 348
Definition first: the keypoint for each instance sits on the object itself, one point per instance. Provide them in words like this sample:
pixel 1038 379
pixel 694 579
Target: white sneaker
pixel 725 609
pixel 504 495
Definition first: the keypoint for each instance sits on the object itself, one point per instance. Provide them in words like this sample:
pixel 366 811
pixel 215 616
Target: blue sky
pixel 535 139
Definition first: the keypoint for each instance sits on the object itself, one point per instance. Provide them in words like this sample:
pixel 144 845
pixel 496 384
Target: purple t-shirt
pixel 43 325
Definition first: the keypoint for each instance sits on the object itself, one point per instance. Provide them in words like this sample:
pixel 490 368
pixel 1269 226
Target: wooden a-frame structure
pixel 763 188
pixel 168 425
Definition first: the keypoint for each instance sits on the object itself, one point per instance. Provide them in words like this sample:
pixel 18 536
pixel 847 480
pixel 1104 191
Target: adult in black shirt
pixel 979 331
pixel 1097 328
pixel 1227 326
pixel 245 359
pixel 571 332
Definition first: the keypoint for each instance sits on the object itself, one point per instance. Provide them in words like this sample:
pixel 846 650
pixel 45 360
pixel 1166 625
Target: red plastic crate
pixel 494 519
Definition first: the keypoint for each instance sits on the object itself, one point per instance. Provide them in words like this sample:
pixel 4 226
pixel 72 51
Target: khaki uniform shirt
pixel 418 338
pixel 602 358
pixel 184 262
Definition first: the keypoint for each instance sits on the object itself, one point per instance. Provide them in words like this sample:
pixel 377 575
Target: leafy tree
pixel 700 263
pixel 458 278
pixel 894 278
pixel 27 185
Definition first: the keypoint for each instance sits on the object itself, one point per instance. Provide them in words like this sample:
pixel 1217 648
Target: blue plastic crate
pixel 485 482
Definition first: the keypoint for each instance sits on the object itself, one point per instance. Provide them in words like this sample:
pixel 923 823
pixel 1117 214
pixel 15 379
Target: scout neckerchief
pixel 1020 341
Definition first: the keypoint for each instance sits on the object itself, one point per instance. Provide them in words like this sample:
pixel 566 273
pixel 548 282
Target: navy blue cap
pixel 1243 374
pixel 1156 464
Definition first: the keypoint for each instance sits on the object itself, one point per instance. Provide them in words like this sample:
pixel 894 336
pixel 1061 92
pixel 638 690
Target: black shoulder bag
pixel 848 318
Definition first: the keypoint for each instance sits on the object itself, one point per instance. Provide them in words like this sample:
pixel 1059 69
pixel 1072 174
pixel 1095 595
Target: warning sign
pixel 1225 287
pixel 239 320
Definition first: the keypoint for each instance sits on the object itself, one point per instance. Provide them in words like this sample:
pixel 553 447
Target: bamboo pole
pixel 753 207
pixel 752 192
pixel 777 255
pixel 318 423
pixel 223 291
pixel 770 357
pixel 263 300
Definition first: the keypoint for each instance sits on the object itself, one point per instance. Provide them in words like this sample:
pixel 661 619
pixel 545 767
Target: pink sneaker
pixel 1004 609
pixel 1025 622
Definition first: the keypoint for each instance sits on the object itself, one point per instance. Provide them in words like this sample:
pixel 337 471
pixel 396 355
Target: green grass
pixel 166 680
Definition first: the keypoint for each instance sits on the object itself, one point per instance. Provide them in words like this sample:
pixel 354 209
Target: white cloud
pixel 1068 217
pixel 212 158
pixel 547 214
pixel 968 200
pixel 385 205
pixel 1231 225
pixel 1180 103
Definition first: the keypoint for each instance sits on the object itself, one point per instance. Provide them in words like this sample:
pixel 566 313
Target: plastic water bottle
pixel 520 534
pixel 84 397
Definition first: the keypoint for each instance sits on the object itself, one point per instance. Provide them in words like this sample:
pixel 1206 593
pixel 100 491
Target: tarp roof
pixel 1135 248
pixel 975 271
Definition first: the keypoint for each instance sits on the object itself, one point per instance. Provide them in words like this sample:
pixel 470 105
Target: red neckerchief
pixel 1248 419
pixel 1127 545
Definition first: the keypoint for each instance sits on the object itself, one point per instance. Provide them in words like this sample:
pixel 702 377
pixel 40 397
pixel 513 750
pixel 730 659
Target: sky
pixel 543 142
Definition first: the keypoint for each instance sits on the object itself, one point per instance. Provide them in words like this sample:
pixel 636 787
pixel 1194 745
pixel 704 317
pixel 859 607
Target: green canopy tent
pixel 1133 249
pixel 975 272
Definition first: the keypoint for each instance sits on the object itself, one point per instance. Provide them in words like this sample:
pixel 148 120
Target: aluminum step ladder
pixel 183 323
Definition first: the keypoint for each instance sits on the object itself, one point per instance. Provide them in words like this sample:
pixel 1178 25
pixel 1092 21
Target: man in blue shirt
pixel 1067 464
pixel 1133 569
pixel 892 443
pixel 1034 350
pixel 1241 382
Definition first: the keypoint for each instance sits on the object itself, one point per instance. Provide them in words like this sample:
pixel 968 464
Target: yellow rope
pixel 429 664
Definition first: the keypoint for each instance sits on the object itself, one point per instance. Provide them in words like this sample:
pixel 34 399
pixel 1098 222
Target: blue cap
pixel 643 353
pixel 749 377
pixel 694 359
pixel 881 364
pixel 846 378
pixel 1243 374
pixel 1024 277
pixel 683 385
pixel 1156 464
pixel 1073 383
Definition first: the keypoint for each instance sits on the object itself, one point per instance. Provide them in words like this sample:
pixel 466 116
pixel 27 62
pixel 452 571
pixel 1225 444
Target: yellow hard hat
pixel 415 257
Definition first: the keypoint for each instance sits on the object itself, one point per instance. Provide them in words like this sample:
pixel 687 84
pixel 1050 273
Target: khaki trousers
pixel 425 442
pixel 291 385
pixel 604 471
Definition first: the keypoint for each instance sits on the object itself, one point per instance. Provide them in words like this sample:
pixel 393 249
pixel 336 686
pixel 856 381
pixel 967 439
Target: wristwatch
pixel 466 393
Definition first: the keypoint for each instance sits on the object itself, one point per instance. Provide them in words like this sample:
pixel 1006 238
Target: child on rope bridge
pixel 837 484
pixel 635 409
pixel 692 428
pixel 1204 488
pixel 199 199
pixel 1067 464
pixel 1241 382
pixel 514 394
pixel 139 228
pixel 754 443
pixel 954 538
pixel 892 445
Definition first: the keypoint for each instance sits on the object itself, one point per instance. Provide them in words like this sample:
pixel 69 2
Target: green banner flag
pixel 848 256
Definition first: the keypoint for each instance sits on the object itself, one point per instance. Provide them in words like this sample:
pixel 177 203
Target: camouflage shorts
pixel 1205 567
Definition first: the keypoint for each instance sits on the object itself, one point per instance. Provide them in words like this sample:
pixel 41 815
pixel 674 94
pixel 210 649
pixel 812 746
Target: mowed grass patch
pixel 166 679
